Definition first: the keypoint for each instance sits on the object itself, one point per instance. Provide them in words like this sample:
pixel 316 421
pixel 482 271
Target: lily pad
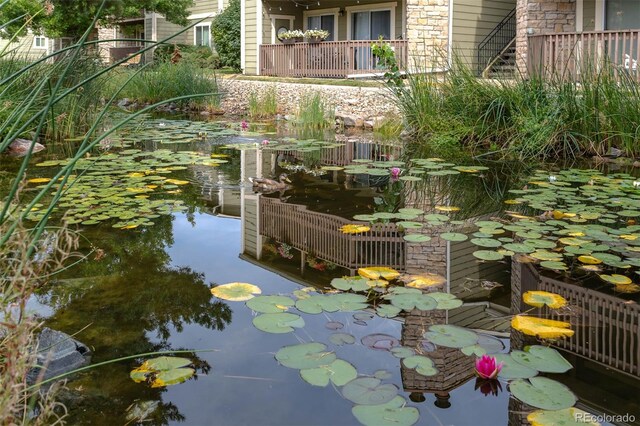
pixel 339 372
pixel 542 358
pixel 163 371
pixel 236 292
pixel 453 236
pixel 392 413
pixel 486 242
pixel 541 392
pixel 616 279
pixel 421 364
pixel 277 323
pixel 566 417
pixel 387 311
pixel 378 272
pixel 541 327
pixel 488 255
pixel 340 339
pixel 539 299
pixel 416 238
pixel 402 352
pixel 379 341
pixel 512 369
pixel 270 304
pixel 306 355
pixel 369 391
pixel 451 336
pixel 408 301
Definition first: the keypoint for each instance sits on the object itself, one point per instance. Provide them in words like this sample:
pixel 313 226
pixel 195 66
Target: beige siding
pixel 250 37
pixel 166 29
pixel 204 6
pixel 251 226
pixel 473 20
pixel 589 15
pixel 23 47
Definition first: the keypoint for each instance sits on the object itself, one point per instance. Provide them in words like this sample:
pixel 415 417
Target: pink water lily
pixel 265 142
pixel 244 125
pixel 487 368
pixel 395 173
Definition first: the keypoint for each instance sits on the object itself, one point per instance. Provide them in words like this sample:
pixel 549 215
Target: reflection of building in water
pixel 353 149
pixel 605 349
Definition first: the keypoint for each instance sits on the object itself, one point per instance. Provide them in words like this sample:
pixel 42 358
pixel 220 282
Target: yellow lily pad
pixel 541 327
pixel 378 272
pixel 354 229
pixel 177 181
pixel 236 292
pixel 540 298
pixel 447 208
pixel 39 180
pixel 589 260
pixel 427 280
pixel 616 279
pixel 627 288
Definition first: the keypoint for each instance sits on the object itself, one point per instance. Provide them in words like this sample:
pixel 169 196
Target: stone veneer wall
pixel 364 102
pixel 428 33
pixel 105 33
pixel 543 17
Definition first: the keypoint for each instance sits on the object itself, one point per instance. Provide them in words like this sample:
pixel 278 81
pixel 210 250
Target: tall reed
pixel 314 111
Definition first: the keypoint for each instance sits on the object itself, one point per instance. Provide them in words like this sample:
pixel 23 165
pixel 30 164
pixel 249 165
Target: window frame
pixel 379 7
pixel 322 12
pixel 195 33
pixel 45 42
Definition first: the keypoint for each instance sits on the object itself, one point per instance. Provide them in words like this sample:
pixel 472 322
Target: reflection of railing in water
pixel 319 234
pixel 343 155
pixel 607 329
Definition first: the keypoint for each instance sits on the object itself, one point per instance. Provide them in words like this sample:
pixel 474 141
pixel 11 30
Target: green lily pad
pixel 369 391
pixel 486 242
pixel 512 369
pixel 365 217
pixel 387 311
pixel 476 350
pixel 409 225
pixel 411 210
pixel 339 372
pixel 351 283
pixel 416 238
pixel 541 392
pixel 270 304
pixel 488 255
pixel 392 413
pixel 306 355
pixel 451 336
pixel 407 301
pixel 277 323
pixel 402 352
pixel 542 358
pixel 421 364
pixel 453 236
pixel 340 339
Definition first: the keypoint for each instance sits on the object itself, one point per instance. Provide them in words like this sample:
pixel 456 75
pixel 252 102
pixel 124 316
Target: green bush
pixel 265 105
pixel 200 56
pixel 225 31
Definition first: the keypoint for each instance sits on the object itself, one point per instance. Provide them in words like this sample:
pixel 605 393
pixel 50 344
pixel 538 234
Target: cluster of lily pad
pixel 287 144
pixel 129 187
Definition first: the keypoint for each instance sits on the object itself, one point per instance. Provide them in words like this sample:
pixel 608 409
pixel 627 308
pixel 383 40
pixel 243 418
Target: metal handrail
pixel 495 42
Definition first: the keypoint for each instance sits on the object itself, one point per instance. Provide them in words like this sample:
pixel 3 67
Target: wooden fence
pixel 318 234
pixel 570 55
pixel 607 329
pixel 330 59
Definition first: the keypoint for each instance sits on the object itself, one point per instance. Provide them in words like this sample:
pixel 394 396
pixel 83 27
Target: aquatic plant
pixel 314 112
pixel 487 367
pixel 263 105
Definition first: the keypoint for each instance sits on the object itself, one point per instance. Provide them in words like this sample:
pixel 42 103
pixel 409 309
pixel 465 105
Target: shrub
pixel 200 56
pixel 225 31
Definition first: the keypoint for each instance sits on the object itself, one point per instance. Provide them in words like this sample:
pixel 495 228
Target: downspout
pixel 450 41
pixel 243 36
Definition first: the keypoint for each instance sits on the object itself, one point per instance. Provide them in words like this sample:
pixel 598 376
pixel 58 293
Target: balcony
pixel 327 59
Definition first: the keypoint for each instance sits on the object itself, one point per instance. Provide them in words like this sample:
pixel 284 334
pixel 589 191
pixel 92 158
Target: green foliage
pixel 72 18
pixel 314 112
pixel 200 56
pixel 264 105
pixel 225 30
pixel 524 118
pixel 166 80
pixel 386 59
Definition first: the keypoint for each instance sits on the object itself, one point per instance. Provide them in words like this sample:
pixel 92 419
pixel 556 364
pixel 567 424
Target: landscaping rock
pixel 350 120
pixel 20 147
pixel 58 353
pixel 124 103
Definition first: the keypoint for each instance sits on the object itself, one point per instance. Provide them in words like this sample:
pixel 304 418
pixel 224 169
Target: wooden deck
pixel 569 56
pixel 328 59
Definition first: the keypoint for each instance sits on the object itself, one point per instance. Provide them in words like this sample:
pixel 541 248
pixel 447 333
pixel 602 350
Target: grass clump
pixel 166 80
pixel 551 117
pixel 315 112
pixel 389 127
pixel 264 105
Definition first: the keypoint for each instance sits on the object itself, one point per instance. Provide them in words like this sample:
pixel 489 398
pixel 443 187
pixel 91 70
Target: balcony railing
pixel 329 59
pixel 572 55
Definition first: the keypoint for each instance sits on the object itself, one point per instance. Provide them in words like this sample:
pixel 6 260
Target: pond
pixel 167 214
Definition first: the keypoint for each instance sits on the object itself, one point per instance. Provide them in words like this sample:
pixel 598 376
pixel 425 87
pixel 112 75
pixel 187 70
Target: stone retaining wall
pixel 366 103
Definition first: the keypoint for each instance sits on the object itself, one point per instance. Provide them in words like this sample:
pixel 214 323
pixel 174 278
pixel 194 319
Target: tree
pixel 71 18
pixel 225 31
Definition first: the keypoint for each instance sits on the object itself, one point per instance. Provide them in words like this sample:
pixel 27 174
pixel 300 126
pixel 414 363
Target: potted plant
pixel 316 36
pixel 291 36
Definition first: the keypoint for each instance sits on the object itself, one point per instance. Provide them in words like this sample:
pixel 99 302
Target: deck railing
pixel 571 55
pixel 607 328
pixel 329 59
pixel 351 150
pixel 318 234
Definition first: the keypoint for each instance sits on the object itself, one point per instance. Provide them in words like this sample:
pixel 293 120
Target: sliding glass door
pixel 369 25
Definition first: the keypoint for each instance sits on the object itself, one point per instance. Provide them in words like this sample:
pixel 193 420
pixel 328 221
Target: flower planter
pixel 298 39
pixel 314 40
pixel 288 41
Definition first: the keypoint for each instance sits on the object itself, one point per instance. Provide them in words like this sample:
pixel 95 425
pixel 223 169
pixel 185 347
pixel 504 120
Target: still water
pixel 147 289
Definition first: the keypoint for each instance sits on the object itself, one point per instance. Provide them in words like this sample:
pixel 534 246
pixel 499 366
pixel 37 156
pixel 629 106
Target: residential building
pixel 31 46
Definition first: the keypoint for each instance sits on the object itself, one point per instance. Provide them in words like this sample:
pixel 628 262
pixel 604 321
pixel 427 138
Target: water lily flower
pixel 395 173
pixel 552 178
pixel 244 125
pixel 487 368
pixel 636 183
pixel 265 142
pixel 487 387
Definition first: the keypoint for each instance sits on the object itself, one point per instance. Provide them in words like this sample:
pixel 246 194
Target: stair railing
pixel 496 41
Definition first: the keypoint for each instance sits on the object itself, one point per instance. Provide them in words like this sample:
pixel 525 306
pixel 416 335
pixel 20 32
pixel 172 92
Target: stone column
pixel 428 34
pixel 535 17
pixel 106 33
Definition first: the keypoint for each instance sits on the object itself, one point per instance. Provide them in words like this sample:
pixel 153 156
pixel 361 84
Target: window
pixel 322 22
pixel 370 25
pixel 202 35
pixel 40 42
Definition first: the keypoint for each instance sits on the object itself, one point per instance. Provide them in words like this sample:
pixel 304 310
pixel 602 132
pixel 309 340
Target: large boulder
pixel 58 353
pixel 20 147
